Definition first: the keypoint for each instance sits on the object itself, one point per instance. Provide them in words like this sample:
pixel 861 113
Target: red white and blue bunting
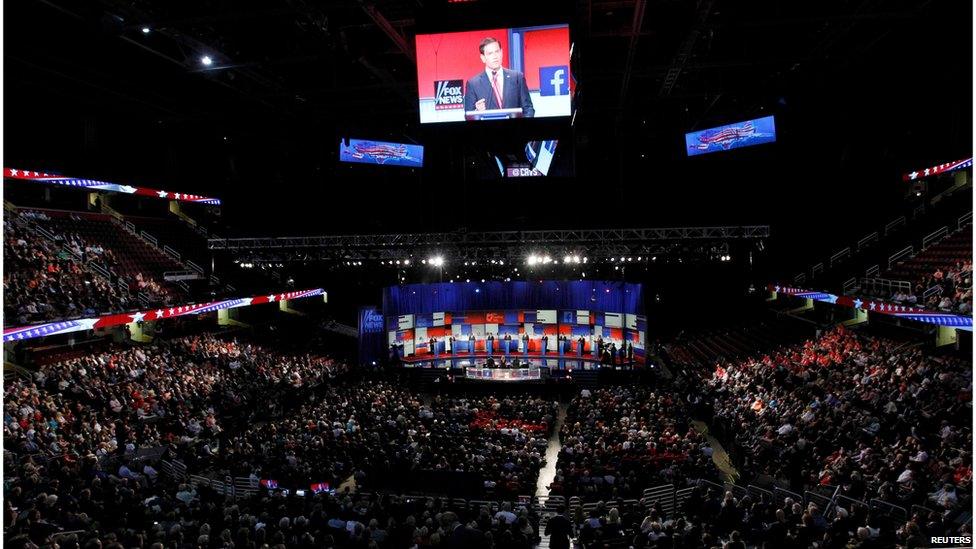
pixel 108 321
pixel 876 306
pixel 93 184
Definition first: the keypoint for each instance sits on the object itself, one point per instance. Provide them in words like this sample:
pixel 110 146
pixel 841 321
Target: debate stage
pixel 550 361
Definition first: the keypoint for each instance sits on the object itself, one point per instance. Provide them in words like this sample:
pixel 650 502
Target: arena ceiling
pixel 114 89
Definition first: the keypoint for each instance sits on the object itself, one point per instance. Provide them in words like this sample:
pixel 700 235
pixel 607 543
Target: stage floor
pixel 553 362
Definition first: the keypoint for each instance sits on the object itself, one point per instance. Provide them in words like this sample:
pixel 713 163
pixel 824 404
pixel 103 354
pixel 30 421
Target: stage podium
pixel 493 114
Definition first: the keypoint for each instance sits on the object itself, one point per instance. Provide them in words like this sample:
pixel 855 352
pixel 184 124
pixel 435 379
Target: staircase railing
pixel 965 219
pixel 935 237
pixel 897 256
pixel 901 221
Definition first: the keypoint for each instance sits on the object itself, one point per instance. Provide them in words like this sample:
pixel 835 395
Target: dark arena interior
pixel 391 274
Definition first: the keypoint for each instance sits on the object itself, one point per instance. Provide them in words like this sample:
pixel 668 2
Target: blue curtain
pixel 587 295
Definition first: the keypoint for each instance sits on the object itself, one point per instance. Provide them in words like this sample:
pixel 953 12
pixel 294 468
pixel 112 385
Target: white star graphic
pixel 171 312
pixel 13 173
pixel 159 313
pixel 776 289
pixel 858 303
pixel 162 194
pixel 138 316
pixel 873 306
pixel 35 174
pixel 913 175
pixel 831 298
pixel 271 297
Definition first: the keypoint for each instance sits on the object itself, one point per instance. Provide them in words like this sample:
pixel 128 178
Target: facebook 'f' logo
pixel 554 80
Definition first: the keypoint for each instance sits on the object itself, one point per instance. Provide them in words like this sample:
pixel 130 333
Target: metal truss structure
pixel 500 245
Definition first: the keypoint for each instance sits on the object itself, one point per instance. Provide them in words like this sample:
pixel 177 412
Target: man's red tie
pixel 497 89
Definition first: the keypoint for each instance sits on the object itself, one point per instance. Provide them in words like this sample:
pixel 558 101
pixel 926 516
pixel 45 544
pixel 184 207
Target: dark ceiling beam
pixel 685 49
pixel 635 30
pixel 384 24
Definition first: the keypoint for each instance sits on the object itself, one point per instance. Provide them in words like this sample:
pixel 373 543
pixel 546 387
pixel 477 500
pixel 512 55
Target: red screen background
pixel 544 48
pixel 454 55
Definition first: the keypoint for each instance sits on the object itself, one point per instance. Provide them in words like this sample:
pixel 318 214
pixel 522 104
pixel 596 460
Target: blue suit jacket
pixel 515 93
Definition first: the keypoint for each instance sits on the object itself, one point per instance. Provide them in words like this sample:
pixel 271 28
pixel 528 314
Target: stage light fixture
pixel 467 280
pixel 406 261
pixel 145 30
pixel 482 281
pixel 501 262
pixel 206 60
pixel 424 261
pixel 567 259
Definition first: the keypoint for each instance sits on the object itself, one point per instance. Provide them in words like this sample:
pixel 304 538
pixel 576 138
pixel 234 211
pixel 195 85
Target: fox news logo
pixel 448 95
pixel 554 80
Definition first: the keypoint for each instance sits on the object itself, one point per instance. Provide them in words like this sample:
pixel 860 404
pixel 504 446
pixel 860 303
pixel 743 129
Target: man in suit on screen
pixel 496 87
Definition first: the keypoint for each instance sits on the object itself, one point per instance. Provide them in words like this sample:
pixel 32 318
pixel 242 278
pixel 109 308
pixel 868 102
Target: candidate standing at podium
pixel 496 87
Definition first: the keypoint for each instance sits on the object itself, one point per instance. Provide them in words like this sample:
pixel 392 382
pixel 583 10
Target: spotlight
pixel 206 60
pixel 585 259
pixel 477 290
pixel 145 30
pixel 613 259
pixel 467 280
pixel 482 281
pixel 406 261
pixel 623 259
pixel 424 261
pixel 397 261
pixel 567 259
pixel 501 262
pixel 532 260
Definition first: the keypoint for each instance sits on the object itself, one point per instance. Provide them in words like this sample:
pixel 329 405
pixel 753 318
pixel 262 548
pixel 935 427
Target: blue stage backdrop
pixel 550 294
pixel 372 337
pixel 544 318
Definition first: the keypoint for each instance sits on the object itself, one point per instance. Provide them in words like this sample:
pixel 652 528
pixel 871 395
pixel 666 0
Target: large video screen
pixel 533 160
pixel 494 74
pixel 381 152
pixel 731 136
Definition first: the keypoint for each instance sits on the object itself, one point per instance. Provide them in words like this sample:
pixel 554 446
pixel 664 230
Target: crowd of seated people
pixel 42 282
pixel 953 290
pixel 379 431
pixel 862 413
pixel 74 432
pixel 712 517
pixel 617 441
pixel 68 231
